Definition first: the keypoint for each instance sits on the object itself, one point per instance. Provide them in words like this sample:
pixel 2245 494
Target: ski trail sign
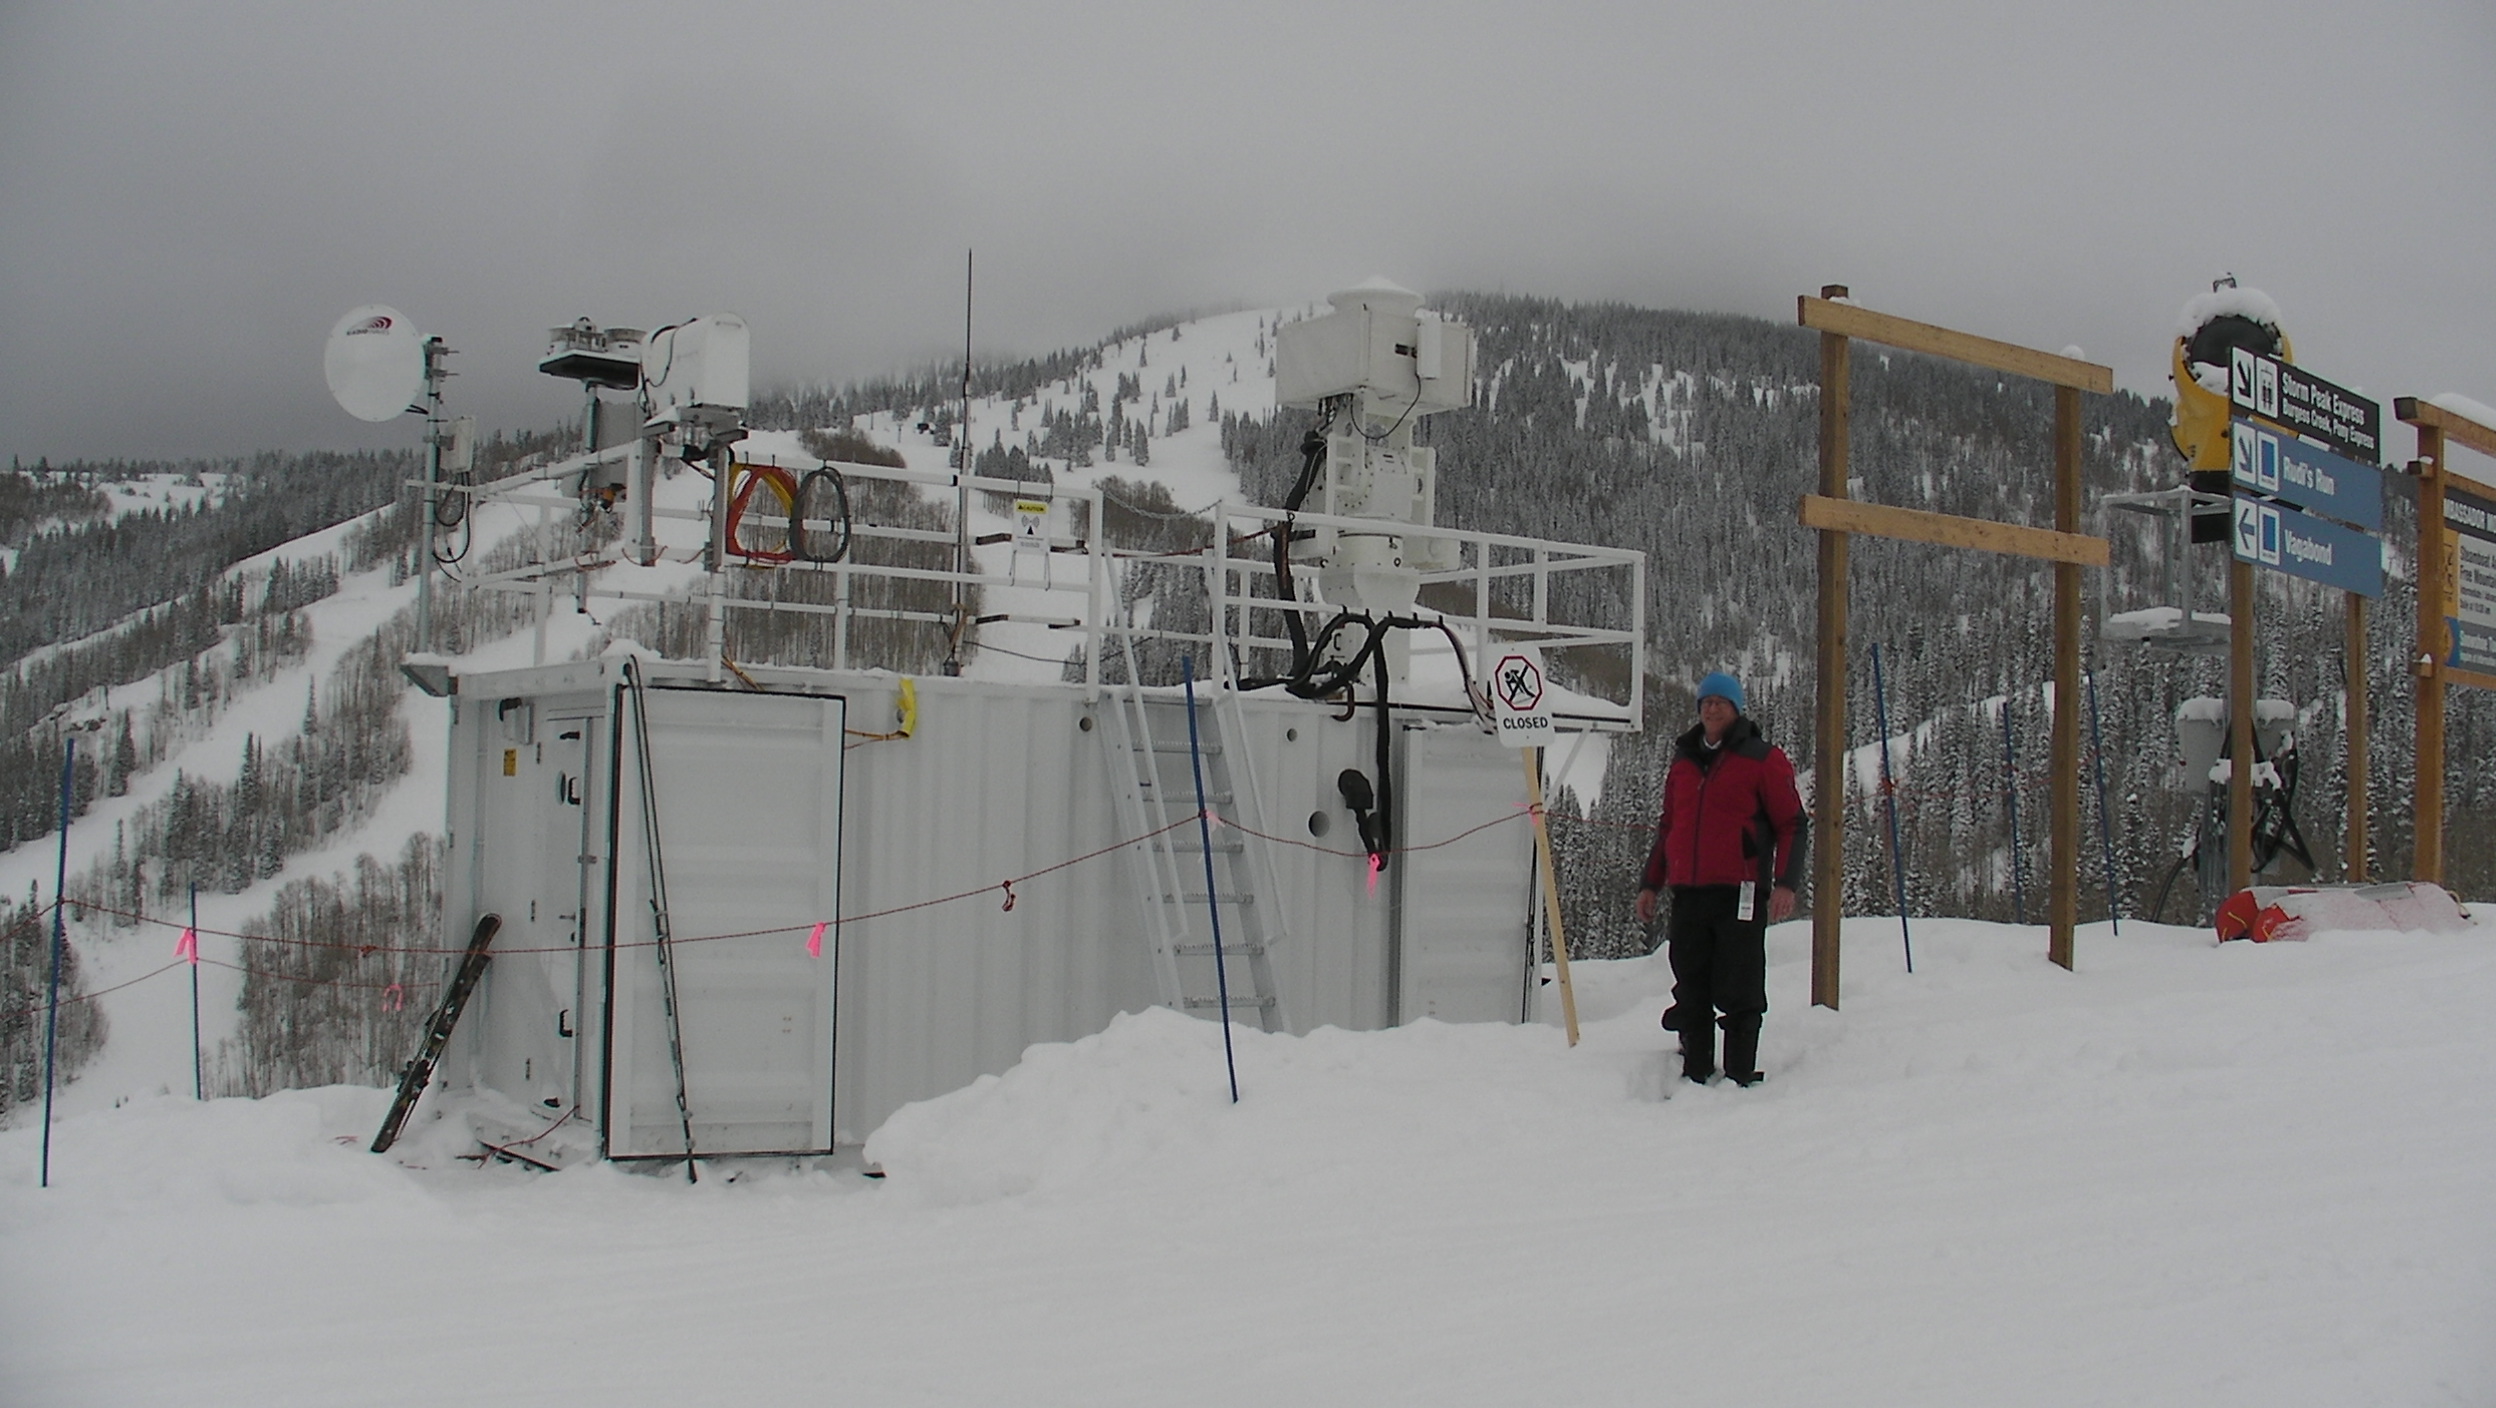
pixel 1521 697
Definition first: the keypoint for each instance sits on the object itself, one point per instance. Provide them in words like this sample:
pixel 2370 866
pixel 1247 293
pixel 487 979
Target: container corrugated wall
pixel 1000 780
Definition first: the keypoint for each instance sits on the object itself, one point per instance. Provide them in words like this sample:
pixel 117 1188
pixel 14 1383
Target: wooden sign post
pixel 1551 893
pixel 2441 659
pixel 1836 515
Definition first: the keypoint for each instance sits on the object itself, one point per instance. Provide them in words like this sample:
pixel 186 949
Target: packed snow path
pixel 2186 1174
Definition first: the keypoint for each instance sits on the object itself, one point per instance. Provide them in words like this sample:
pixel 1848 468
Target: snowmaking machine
pixel 2212 330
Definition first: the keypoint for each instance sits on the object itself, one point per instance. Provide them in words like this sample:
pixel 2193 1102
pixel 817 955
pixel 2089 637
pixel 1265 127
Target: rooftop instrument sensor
pixel 375 364
pixel 695 373
pixel 380 368
pixel 1372 368
pixel 598 358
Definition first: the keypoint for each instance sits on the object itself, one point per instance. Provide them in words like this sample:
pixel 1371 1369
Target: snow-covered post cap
pixel 2461 405
pixel 2251 304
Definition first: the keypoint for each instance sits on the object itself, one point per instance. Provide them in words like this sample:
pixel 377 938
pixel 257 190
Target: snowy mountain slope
pixel 2188 1174
pixel 1672 432
pixel 150 1047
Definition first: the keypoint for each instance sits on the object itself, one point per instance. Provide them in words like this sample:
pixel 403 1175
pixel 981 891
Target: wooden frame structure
pixel 1836 517
pixel 2437 428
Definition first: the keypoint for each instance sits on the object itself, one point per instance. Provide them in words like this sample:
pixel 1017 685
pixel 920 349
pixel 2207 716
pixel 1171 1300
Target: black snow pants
pixel 1720 964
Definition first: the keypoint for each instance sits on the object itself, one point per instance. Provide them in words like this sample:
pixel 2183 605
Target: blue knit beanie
pixel 1722 686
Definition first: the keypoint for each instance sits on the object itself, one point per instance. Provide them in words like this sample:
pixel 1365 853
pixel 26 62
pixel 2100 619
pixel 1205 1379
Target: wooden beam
pixel 1828 744
pixel 1847 320
pixel 2427 415
pixel 1951 531
pixel 2452 674
pixel 2434 642
pixel 2063 826
pixel 2240 691
pixel 2353 745
pixel 1551 890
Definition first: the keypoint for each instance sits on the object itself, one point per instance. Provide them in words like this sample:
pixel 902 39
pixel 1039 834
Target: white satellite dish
pixel 375 363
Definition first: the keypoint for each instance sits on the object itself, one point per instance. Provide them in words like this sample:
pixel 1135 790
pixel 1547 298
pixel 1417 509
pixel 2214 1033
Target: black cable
pixel 2274 814
pixel 1385 755
pixel 1312 459
pixel 467 530
pixel 1382 437
pixel 2158 906
pixel 450 508
pixel 801 538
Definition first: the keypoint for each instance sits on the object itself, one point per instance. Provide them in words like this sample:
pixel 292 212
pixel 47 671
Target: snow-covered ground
pixel 2185 1174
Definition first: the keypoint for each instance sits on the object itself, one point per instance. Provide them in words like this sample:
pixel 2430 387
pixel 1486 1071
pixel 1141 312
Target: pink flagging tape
pixel 814 940
pixel 187 946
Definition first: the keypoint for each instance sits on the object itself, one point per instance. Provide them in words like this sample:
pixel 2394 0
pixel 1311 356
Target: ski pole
pixel 199 1063
pixel 1213 906
pixel 2105 819
pixel 52 1004
pixel 2010 799
pixel 1889 803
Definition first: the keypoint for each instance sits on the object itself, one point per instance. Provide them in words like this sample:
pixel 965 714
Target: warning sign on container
pixel 1521 697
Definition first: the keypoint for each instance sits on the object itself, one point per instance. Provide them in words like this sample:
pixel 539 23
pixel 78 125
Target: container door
pixel 746 793
pixel 532 869
pixel 1462 928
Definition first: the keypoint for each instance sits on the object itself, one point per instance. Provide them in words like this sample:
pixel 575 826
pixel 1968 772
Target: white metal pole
pixel 434 353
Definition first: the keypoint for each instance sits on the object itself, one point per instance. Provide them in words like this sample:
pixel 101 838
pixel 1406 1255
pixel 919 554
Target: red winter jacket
pixel 1724 814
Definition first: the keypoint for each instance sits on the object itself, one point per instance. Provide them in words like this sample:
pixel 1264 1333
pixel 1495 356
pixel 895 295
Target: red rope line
pixel 365 951
pixel 298 977
pixel 1364 855
pixel 99 992
pixel 369 950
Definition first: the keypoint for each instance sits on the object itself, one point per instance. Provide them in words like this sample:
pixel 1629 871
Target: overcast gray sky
pixel 191 195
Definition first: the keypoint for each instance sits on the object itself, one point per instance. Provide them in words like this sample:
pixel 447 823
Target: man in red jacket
pixel 1730 847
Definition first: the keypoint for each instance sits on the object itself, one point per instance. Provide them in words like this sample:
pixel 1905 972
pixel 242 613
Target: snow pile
pixel 1148 1100
pixel 1067 1113
pixel 2188 1173
pixel 2249 303
pixel 294 1149
pixel 2461 405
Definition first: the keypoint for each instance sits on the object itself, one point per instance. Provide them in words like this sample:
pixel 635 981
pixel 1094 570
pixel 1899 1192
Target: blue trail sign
pixel 2281 466
pixel 2285 395
pixel 2317 549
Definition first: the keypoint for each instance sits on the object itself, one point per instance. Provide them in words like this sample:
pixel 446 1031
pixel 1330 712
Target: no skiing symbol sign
pixel 1520 702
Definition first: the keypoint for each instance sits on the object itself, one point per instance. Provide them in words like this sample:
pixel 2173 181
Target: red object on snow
pixel 2267 912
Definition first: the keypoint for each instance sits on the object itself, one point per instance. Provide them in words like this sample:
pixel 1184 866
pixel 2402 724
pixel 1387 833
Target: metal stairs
pixel 1155 786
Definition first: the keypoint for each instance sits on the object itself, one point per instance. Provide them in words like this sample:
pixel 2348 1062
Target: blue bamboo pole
pixel 2010 797
pixel 2105 818
pixel 1213 905
pixel 52 1004
pixel 1889 801
pixel 199 1063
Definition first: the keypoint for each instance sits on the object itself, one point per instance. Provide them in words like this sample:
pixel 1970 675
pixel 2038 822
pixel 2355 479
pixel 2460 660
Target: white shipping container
pixel 775 810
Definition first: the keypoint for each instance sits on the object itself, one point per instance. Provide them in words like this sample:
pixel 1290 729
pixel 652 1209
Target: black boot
pixel 1742 1050
pixel 1698 1050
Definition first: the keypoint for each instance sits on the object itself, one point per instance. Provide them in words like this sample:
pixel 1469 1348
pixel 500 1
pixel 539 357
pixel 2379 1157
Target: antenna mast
pixel 962 486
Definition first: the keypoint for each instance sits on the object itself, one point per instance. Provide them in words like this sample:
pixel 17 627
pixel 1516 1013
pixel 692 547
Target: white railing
pixel 1501 592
